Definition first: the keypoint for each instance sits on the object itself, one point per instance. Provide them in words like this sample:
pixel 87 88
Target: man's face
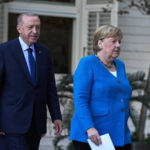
pixel 29 29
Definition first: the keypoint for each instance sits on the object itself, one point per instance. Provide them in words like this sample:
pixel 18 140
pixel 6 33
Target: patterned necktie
pixel 32 65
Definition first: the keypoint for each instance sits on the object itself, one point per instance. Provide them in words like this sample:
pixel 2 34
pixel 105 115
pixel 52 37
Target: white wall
pixel 135 50
pixel 135 47
pixel 1 23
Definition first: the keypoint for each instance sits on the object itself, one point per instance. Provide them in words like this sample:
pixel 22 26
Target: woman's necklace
pixel 110 66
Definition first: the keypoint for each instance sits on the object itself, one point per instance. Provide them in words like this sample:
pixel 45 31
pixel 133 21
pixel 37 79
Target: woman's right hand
pixel 94 136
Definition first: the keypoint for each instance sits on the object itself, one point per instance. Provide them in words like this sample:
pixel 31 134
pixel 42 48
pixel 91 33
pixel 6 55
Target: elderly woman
pixel 101 94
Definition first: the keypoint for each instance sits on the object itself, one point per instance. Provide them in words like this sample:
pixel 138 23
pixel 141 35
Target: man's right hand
pixel 58 126
pixel 2 133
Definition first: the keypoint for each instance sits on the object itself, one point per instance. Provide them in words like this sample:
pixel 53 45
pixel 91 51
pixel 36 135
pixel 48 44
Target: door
pixel 56 34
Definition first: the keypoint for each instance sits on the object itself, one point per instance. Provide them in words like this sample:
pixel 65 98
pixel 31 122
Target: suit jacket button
pixel 121 90
pixel 122 100
pixel 123 110
pixel 118 81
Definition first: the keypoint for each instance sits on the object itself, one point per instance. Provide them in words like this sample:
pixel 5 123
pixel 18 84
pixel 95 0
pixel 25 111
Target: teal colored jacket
pixel 101 101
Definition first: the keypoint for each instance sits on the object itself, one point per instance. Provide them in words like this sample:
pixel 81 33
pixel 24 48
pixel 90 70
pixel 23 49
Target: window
pixel 60 1
pixel 95 19
pixel 99 1
pixel 56 34
pixel 66 1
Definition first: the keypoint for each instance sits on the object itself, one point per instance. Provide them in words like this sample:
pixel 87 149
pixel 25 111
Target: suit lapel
pixel 39 57
pixel 19 56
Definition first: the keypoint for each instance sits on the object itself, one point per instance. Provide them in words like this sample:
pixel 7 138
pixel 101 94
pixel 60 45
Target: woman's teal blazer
pixel 101 101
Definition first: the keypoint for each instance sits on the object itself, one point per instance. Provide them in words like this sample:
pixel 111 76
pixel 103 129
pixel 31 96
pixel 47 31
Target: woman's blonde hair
pixel 103 32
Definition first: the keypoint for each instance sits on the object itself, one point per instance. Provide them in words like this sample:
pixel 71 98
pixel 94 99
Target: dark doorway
pixel 66 1
pixel 56 34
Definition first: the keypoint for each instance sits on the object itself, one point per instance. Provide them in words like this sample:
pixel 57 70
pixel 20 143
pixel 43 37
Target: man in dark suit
pixel 27 84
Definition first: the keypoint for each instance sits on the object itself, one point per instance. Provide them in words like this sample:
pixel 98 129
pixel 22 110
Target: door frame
pixel 77 12
pixel 47 9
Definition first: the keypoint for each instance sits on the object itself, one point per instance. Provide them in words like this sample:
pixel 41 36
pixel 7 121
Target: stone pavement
pixel 46 143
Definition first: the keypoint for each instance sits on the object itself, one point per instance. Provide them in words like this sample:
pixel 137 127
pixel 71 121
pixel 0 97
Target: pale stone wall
pixel 135 47
pixel 135 50
pixel 1 21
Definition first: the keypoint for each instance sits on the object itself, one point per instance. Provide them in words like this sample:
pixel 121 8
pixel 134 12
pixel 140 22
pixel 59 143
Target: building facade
pixel 68 25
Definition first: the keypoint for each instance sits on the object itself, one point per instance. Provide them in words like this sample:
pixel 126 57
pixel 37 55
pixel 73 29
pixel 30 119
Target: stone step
pixel 47 143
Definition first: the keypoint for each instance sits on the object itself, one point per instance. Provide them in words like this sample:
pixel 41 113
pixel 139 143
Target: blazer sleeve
pixel 1 67
pixel 52 101
pixel 82 87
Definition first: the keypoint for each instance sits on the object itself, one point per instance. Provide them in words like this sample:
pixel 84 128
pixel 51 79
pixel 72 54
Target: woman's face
pixel 110 47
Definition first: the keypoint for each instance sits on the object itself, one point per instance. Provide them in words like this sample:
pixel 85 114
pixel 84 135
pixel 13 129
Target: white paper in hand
pixel 106 143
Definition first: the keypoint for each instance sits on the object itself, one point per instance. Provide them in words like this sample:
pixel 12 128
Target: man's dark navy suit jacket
pixel 18 96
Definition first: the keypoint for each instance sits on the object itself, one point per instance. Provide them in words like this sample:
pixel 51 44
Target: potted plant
pixel 65 93
pixel 141 94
